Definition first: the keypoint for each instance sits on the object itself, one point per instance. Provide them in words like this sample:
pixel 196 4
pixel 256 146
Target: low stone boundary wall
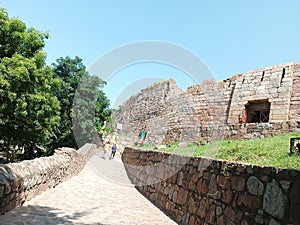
pixel 209 133
pixel 22 181
pixel 259 130
pixel 207 191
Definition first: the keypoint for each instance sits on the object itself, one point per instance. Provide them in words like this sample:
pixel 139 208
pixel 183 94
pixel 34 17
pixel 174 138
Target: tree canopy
pixel 16 38
pixel 83 115
pixel 38 106
pixel 29 110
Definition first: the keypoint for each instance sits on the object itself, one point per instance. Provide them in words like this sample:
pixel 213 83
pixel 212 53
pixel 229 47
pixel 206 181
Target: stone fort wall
pixel 207 191
pixel 216 109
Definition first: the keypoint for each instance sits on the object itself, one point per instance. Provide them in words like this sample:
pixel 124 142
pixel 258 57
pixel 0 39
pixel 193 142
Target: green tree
pixel 82 116
pixel 29 111
pixel 70 71
pixel 90 109
pixel 102 111
pixel 15 38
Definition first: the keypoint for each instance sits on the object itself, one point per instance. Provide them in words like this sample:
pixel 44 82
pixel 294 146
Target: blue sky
pixel 230 37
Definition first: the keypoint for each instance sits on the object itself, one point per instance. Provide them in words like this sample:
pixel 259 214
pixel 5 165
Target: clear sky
pixel 230 37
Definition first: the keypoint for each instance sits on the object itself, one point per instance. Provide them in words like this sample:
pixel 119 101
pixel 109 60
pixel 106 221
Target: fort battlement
pixel 260 103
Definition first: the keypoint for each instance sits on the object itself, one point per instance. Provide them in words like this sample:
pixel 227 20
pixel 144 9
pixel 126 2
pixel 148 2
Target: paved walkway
pixel 100 194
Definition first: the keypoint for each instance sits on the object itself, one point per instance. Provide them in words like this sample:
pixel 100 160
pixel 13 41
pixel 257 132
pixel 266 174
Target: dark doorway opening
pixel 258 111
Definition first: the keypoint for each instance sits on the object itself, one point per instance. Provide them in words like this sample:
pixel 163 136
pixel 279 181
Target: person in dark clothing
pixel 113 151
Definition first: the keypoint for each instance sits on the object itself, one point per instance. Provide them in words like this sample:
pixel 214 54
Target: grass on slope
pixel 271 151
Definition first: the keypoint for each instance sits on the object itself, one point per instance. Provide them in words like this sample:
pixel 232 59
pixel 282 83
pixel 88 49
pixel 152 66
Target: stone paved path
pixel 92 197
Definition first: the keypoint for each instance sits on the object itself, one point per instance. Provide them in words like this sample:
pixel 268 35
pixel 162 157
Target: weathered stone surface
pixel 274 194
pixel 195 177
pixel 1 190
pixel 203 208
pixel 219 210
pixel 258 219
pixel 253 195
pixel 255 186
pixel 211 216
pixel 274 222
pixel 213 188
pixel 175 196
pixel 238 183
pixel 285 184
pixel 224 182
pixel 249 201
pixel 185 219
pixel 244 222
pixel 192 205
pixel 221 220
pixel 192 220
pixel 192 185
pixel 227 196
pixel 182 196
pixel 22 181
pixel 230 214
pixel 171 114
pixel 202 186
pixel 180 178
pixel 295 203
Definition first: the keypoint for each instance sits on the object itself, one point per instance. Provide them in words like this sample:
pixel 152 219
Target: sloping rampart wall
pixel 209 110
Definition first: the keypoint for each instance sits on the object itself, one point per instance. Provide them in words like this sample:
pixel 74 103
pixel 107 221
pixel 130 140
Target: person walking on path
pixel 113 151
pixel 107 147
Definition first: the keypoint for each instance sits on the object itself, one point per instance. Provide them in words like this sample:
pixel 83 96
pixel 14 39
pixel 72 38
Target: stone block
pixel 295 203
pixel 203 208
pixel 227 196
pixel 273 193
pixel 255 186
pixel 237 183
pixel 202 186
pixel 230 214
pixel 249 201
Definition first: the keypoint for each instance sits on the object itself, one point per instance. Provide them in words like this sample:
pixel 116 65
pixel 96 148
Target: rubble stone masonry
pixel 194 190
pixel 214 109
pixel 20 182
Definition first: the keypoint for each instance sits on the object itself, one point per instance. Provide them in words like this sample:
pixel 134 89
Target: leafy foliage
pixel 15 38
pixel 29 112
pixel 70 72
pixel 83 115
pixel 37 100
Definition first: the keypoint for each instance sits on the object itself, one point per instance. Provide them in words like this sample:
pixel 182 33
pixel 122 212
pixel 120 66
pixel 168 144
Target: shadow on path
pixel 100 194
pixel 43 215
